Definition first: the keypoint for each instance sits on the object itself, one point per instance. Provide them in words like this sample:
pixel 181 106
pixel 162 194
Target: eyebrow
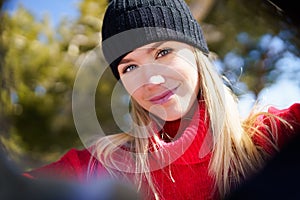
pixel 154 46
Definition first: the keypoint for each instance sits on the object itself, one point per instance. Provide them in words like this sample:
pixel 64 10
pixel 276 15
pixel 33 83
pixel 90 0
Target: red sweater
pixel 185 178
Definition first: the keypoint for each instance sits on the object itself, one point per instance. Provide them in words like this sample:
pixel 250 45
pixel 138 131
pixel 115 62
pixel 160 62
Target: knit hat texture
pixel 130 24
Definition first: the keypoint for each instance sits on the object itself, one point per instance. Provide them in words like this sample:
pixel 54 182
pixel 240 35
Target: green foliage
pixel 242 26
pixel 40 64
pixel 38 79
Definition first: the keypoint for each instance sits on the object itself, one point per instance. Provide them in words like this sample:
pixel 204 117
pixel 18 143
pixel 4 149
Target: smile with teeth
pixel 163 97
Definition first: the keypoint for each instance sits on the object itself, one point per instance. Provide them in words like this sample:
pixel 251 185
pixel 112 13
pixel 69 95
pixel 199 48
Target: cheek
pixel 195 82
pixel 138 96
pixel 192 75
pixel 189 75
pixel 190 85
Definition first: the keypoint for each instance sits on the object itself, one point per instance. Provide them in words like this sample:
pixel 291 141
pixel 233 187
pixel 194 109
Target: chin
pixel 170 112
pixel 170 117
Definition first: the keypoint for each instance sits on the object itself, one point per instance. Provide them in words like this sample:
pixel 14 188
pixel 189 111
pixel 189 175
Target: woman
pixel 187 140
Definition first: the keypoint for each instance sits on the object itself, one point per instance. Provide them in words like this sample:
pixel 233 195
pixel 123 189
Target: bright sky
pixel 56 9
pixel 280 95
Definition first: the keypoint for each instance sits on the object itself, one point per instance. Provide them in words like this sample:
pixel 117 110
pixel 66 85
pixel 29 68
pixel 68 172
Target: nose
pixel 154 81
pixel 157 79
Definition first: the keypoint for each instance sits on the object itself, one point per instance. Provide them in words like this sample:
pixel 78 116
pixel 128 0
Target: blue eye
pixel 163 52
pixel 129 68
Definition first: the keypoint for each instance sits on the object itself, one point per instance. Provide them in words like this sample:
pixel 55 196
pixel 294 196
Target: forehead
pixel 151 45
pixel 144 49
pixel 155 45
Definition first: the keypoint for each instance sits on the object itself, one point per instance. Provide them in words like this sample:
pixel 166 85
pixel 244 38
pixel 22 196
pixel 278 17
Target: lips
pixel 163 97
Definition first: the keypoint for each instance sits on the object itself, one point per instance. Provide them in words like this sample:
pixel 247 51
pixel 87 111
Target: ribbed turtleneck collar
pixel 191 141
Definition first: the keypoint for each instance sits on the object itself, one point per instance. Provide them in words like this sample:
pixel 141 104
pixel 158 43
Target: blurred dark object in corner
pixel 1 4
pixel 290 9
pixel 13 186
pixel 280 179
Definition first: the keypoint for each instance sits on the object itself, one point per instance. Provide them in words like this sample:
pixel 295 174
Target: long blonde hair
pixel 234 155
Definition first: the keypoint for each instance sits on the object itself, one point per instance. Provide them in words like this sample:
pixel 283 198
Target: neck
pixel 173 129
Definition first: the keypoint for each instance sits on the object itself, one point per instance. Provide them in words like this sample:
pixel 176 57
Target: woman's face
pixel 162 77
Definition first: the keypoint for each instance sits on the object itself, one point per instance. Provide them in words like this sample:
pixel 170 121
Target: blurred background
pixel 43 44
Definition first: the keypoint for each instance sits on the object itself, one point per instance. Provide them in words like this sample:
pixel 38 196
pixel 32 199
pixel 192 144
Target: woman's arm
pixel 279 126
pixel 72 166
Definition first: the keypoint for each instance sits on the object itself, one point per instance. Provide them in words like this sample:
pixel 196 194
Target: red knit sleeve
pixel 292 116
pixel 72 166
pixel 285 130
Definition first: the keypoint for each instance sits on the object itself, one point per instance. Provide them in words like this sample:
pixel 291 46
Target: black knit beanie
pixel 130 24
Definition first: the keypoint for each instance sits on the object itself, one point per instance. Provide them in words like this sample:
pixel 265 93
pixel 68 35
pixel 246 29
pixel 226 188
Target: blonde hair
pixel 234 154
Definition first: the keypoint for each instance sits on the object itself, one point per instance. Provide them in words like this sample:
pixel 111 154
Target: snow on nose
pixel 157 79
